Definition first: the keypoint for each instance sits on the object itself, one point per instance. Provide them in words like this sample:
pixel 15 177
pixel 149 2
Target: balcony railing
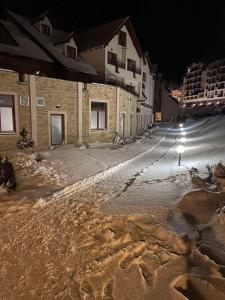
pixel 133 69
pixel 121 64
pixel 114 82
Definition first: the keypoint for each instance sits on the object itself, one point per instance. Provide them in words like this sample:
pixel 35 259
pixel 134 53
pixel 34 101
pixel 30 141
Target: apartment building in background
pixel 204 84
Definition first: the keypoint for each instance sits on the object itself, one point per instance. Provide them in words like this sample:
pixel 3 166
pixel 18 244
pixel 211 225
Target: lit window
pixel 71 52
pixel 45 29
pixel 98 115
pixel 122 38
pixel 7 118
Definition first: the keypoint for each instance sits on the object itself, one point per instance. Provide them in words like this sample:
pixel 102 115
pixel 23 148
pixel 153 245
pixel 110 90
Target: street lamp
pixel 180 150
pixel 181 125
pixel 183 133
pixel 183 139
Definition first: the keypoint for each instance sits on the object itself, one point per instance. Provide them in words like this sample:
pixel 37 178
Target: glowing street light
pixel 180 150
pixel 181 125
pixel 183 133
pixel 183 139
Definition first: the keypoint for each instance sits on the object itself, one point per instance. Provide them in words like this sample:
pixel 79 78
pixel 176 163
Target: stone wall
pixel 103 93
pixel 9 84
pixel 60 97
pixel 128 106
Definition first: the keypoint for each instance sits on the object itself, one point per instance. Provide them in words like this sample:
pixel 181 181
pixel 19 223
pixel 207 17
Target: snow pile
pixel 32 171
pixel 219 176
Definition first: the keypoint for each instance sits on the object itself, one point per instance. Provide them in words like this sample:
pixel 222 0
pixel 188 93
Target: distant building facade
pixel 204 84
pixel 166 107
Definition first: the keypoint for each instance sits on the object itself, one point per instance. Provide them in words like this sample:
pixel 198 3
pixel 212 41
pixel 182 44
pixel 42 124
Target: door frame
pixel 123 132
pixel 64 126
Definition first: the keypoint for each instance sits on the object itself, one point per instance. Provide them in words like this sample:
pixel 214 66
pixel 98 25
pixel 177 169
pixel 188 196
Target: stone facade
pixel 99 93
pixel 61 97
pixel 9 84
pixel 127 111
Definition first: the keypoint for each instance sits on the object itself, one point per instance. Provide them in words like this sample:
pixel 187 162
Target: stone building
pixel 57 112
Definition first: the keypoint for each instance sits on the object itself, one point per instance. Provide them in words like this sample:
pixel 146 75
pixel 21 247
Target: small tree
pixel 24 142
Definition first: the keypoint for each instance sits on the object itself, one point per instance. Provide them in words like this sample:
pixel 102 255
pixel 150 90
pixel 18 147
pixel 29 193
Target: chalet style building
pixel 114 50
pixel 68 88
pixel 33 46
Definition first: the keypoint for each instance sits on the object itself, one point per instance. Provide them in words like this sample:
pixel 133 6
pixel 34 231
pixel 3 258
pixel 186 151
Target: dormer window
pixel 45 29
pixel 71 52
pixel 122 38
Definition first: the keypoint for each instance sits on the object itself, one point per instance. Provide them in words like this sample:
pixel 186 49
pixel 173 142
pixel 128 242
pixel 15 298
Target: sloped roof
pixel 46 44
pixel 59 37
pixel 41 17
pixel 25 47
pixel 102 35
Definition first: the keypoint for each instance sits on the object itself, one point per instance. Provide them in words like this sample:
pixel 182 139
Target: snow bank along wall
pixel 32 102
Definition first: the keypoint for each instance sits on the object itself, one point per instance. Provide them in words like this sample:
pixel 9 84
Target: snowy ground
pixel 66 248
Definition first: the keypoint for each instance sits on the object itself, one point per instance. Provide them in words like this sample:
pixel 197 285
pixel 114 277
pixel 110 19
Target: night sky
pixel 175 33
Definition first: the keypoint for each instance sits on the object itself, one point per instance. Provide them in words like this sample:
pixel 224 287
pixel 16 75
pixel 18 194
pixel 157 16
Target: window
pixel 144 76
pixel 112 58
pixel 71 52
pixel 122 38
pixel 22 77
pixel 45 29
pixel 40 101
pixel 24 100
pixel 98 115
pixel 7 118
pixel 131 64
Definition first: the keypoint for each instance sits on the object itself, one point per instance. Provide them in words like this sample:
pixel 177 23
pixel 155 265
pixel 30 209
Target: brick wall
pixel 99 92
pixel 128 105
pixel 61 96
pixel 9 84
pixel 60 93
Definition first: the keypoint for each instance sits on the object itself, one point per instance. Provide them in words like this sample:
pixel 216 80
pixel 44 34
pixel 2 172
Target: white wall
pixel 123 54
pixel 96 57
pixel 149 93
pixel 45 21
pixel 62 47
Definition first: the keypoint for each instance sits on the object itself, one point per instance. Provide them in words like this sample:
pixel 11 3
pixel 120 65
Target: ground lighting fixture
pixel 180 150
